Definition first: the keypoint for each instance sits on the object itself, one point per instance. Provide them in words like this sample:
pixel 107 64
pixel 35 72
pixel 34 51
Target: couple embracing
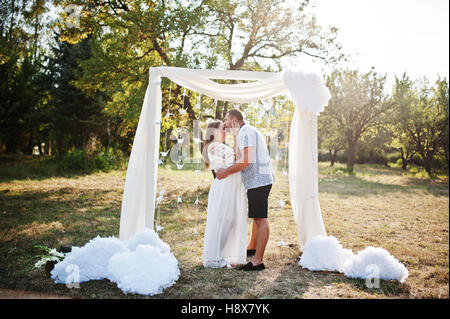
pixel 244 178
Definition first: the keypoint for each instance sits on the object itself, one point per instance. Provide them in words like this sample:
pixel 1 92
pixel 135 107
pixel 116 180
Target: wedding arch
pixel 310 96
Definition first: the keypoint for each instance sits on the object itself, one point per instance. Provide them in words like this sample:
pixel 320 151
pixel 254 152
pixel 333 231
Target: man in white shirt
pixel 254 164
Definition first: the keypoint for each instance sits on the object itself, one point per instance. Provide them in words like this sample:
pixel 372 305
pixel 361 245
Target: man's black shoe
pixel 251 252
pixel 250 267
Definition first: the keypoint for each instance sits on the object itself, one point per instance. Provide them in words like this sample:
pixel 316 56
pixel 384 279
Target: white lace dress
pixel 225 238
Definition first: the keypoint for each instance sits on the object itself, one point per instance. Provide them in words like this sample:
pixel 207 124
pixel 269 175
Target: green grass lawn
pixel 403 212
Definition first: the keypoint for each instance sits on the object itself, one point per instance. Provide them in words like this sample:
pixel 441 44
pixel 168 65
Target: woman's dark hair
pixel 209 138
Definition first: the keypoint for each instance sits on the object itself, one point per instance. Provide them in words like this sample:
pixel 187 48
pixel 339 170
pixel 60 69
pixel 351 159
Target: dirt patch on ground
pixel 21 294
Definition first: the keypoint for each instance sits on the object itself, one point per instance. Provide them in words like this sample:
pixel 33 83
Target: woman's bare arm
pixel 235 132
pixel 237 153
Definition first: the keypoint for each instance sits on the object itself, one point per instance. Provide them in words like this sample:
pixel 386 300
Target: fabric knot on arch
pixel 310 96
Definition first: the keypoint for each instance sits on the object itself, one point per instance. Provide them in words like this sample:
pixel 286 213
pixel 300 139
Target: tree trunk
pixel 333 157
pixel 109 133
pixel 190 109
pixel 404 160
pixel 41 150
pixel 218 113
pixel 371 157
pixel 60 145
pixel 446 155
pixel 30 148
pixel 428 159
pixel 10 144
pixel 351 157
pixel 225 109
pixel 187 102
pixel 49 148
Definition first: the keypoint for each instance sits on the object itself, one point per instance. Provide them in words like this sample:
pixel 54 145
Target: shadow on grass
pixel 67 216
pixel 294 282
pixel 357 185
pixel 28 167
pixel 46 206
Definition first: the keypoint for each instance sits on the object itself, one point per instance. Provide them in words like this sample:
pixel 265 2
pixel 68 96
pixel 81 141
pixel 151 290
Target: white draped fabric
pixel 310 96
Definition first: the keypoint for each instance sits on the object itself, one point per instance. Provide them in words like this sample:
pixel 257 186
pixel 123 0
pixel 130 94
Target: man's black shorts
pixel 258 201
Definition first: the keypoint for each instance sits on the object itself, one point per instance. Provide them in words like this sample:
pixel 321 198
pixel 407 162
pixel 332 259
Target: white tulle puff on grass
pixel 143 264
pixel 387 266
pixel 326 253
pixel 145 271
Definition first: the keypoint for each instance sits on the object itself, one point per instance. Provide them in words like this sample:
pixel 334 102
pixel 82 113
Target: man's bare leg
pixel 262 237
pixel 252 244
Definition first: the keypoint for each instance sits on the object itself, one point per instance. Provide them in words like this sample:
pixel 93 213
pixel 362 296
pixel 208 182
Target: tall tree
pixel 403 97
pixel 18 98
pixel 73 115
pixel 258 34
pixel 426 120
pixel 357 105
pixel 441 99
pixel 21 65
pixel 259 30
pixel 329 136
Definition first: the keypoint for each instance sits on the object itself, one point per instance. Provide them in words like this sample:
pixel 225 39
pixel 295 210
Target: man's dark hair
pixel 236 114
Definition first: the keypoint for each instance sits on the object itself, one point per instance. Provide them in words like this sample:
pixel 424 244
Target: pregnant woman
pixel 225 240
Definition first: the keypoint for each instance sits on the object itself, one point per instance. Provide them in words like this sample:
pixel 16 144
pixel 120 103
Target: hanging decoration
pixel 198 140
pixel 284 171
pixel 179 141
pixel 183 110
pixel 164 154
pixel 184 94
pixel 158 202
pixel 198 105
pixel 180 138
pixel 196 211
pixel 161 161
pixel 168 114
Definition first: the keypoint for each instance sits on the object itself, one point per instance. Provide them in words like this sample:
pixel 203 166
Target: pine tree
pixel 73 115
